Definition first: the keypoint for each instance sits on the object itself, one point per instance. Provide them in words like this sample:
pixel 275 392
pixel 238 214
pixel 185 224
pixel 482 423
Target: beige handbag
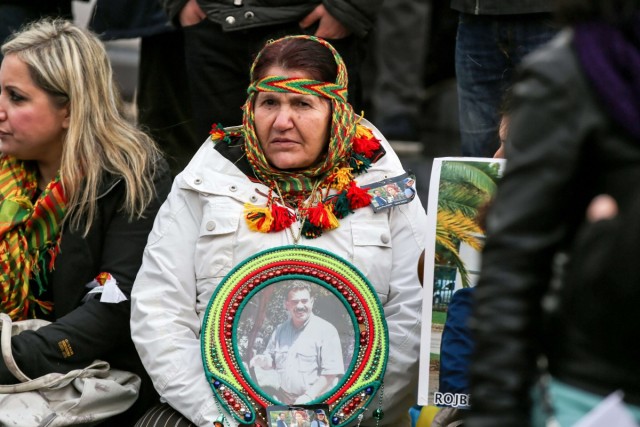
pixel 81 397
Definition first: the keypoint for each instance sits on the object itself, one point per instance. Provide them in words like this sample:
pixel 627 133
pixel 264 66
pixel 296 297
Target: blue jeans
pixel 488 50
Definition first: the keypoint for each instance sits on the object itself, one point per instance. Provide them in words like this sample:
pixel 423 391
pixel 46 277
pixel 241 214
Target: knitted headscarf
pixel 343 123
pixel 29 232
pixel 321 194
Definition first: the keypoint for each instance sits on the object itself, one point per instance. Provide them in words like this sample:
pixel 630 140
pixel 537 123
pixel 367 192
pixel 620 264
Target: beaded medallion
pixel 250 316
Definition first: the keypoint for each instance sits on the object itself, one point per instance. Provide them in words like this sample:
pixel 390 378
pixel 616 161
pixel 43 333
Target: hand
pixel 261 361
pixel 191 14
pixel 328 26
pixel 301 400
pixel 602 207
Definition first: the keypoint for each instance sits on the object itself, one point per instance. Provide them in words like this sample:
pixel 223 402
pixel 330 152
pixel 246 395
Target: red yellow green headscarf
pixel 343 123
pixel 29 232
pixel 350 149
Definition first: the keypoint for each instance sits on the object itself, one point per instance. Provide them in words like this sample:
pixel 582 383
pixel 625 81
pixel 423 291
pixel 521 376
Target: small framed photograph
pixel 298 416
pixel 392 191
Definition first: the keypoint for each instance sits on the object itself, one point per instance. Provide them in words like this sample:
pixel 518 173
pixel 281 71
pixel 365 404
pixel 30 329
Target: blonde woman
pixel 79 190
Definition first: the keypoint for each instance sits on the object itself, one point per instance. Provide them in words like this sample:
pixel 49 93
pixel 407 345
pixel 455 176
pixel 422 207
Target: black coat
pixel 126 19
pixel 93 330
pixel 502 7
pixel 563 149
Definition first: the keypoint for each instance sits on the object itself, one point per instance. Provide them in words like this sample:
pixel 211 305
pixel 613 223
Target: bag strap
pixel 98 368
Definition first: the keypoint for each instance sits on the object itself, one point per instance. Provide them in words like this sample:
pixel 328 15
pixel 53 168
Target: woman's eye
pixel 15 97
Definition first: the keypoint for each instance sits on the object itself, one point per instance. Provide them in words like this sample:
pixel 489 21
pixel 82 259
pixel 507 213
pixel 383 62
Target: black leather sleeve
pixel 356 15
pixel 527 224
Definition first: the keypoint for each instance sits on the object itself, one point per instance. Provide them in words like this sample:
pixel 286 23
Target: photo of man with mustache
pixel 304 350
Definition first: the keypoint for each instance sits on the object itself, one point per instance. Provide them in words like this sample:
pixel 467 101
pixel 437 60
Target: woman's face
pixel 293 129
pixel 32 127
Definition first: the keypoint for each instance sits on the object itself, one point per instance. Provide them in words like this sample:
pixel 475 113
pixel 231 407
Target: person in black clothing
pixel 79 192
pixel 553 285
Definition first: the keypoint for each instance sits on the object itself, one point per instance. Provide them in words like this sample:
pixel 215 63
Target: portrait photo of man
pixel 304 351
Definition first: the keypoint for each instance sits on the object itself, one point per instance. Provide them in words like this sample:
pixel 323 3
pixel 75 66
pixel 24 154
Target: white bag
pixel 80 397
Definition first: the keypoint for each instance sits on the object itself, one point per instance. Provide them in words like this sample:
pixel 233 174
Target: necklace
pixel 300 212
pixel 318 213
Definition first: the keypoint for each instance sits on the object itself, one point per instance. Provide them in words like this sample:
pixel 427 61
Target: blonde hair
pixel 72 66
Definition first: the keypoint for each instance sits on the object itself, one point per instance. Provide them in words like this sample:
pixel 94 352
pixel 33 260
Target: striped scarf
pixel 29 232
pixel 343 126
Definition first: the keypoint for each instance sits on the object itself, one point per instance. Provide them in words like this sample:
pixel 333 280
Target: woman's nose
pixel 283 119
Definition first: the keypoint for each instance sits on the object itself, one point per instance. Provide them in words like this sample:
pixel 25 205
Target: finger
pixel 602 207
pixel 311 18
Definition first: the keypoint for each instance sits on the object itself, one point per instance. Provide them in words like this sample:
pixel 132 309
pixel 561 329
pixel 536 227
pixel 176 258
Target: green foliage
pixel 465 188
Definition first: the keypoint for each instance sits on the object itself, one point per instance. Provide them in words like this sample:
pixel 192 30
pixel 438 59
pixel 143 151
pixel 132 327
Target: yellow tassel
pixel 258 218
pixel 342 178
pixel 331 218
pixel 363 132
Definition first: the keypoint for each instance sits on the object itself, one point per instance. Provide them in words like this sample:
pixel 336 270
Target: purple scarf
pixel 611 60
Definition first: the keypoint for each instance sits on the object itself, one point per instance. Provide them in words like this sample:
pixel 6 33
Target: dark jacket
pixel 562 150
pixel 356 15
pixel 126 19
pixel 81 332
pixel 502 7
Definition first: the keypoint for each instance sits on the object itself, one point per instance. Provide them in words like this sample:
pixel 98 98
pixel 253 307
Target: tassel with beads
pixel 364 142
pixel 258 219
pixel 282 218
pixel 311 231
pixel 358 197
pixel 341 178
pixel 321 215
pixel 341 206
pixel 359 163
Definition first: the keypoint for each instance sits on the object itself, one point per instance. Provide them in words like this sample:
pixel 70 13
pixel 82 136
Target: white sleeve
pixel 164 323
pixel 403 311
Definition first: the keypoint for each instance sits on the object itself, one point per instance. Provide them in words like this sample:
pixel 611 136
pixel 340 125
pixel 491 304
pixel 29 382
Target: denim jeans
pixel 488 50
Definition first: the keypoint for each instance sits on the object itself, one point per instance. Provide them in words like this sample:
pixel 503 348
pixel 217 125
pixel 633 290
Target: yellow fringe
pixel 254 215
pixel 342 178
pixel 363 132
pixel 333 221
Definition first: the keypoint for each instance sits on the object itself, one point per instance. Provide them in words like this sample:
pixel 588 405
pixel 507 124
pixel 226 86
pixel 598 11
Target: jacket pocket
pixel 214 249
pixel 372 253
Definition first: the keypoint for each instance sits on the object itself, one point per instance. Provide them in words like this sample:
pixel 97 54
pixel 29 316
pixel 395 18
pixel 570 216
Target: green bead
pixel 378 414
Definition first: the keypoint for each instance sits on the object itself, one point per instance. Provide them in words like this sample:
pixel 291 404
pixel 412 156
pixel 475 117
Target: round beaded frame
pixel 232 385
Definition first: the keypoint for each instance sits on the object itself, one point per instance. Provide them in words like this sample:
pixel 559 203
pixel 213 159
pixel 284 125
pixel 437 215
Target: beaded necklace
pixel 318 209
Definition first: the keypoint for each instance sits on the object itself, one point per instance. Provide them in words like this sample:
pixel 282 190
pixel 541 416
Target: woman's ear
pixel 66 111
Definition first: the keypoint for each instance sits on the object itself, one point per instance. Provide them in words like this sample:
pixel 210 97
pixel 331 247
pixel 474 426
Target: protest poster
pixel 460 191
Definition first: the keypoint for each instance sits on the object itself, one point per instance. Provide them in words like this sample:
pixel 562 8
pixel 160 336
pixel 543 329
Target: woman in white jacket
pixel 294 171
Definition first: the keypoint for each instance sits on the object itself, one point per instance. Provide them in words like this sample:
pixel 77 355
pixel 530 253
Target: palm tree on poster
pixel 465 188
